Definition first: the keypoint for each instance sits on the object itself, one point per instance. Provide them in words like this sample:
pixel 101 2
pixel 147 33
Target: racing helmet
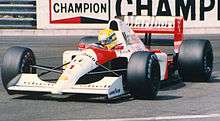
pixel 107 38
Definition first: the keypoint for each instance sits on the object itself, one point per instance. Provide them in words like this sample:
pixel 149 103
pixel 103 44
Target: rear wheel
pixel 16 60
pixel 143 75
pixel 195 61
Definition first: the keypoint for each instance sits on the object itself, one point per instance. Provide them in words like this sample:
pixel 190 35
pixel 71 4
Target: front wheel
pixel 143 75
pixel 16 60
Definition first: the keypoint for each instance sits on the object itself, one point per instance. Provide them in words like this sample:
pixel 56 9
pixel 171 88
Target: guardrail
pixel 17 14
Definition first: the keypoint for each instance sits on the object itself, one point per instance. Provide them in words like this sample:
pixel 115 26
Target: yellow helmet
pixel 107 37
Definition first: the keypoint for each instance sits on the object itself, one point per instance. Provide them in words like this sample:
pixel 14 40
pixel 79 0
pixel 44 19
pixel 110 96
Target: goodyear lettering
pixel 80 7
pixel 181 8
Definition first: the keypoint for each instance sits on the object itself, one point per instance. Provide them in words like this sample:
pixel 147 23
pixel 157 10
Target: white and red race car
pixel 133 66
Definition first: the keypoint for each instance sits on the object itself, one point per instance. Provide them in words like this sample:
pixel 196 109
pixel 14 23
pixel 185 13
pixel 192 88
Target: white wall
pixel 111 8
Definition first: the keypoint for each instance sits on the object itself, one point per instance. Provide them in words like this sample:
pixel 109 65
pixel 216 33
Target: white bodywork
pixel 110 86
pixel 84 62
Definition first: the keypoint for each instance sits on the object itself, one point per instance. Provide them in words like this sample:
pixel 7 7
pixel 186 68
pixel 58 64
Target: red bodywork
pixel 104 55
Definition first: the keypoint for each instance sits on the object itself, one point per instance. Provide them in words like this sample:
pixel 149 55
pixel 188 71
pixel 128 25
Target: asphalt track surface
pixel 184 101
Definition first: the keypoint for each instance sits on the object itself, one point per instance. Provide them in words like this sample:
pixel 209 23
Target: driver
pixel 107 38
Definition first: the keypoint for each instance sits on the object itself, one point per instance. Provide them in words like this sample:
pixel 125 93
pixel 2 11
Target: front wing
pixel 109 86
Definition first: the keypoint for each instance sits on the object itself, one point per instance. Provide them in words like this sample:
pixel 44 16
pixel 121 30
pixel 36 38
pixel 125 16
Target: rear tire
pixel 16 60
pixel 195 61
pixel 143 75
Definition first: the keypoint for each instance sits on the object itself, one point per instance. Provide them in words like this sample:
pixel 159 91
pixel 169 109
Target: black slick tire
pixel 16 60
pixel 143 75
pixel 195 61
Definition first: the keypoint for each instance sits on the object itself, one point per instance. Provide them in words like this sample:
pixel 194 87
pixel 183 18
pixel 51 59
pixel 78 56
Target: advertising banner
pixel 69 12
pixel 94 14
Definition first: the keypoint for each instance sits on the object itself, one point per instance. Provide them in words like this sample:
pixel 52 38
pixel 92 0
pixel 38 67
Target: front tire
pixel 195 61
pixel 16 60
pixel 143 75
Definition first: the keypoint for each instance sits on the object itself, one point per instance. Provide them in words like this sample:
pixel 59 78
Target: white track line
pixel 154 118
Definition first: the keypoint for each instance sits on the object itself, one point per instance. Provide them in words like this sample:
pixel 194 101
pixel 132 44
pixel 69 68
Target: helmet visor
pixel 105 41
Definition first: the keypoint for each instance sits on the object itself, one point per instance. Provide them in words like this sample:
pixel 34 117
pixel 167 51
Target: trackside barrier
pixel 17 14
pixel 157 24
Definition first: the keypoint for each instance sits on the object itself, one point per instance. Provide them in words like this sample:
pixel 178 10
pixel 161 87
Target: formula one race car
pixel 134 66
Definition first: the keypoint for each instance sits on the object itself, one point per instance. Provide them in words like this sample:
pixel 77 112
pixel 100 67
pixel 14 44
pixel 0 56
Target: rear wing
pixel 157 24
